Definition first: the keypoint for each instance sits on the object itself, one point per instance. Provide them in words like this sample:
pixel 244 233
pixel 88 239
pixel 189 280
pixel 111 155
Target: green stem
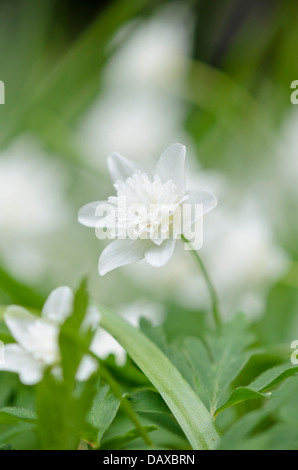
pixel 186 406
pixel 212 291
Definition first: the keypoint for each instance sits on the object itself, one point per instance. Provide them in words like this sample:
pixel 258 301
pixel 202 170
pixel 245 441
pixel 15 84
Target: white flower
pixel 37 338
pixel 151 203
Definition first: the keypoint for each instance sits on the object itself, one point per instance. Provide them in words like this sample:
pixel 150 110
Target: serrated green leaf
pixel 218 362
pixel 101 415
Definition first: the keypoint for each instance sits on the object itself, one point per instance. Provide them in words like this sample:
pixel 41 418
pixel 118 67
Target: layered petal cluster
pixel 37 338
pixel 142 217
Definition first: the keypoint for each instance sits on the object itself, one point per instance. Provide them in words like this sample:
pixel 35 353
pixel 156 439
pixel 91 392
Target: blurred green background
pixel 84 79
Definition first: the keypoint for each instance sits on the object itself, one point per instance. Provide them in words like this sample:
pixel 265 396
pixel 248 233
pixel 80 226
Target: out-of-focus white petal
pixel 19 321
pixel 103 344
pixel 120 253
pixel 86 368
pixel 17 360
pixel 121 168
pixel 88 214
pixel 92 318
pixel 171 166
pixel 58 305
pixel 160 255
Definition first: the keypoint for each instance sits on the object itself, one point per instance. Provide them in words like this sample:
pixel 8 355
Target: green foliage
pixel 235 102
pixel 217 363
pixel 62 407
pixel 260 387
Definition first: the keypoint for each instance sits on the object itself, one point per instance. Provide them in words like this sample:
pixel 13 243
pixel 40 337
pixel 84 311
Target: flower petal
pixel 58 305
pixel 17 360
pixel 86 368
pixel 88 214
pixel 208 200
pixel 171 166
pixel 20 321
pixel 92 318
pixel 121 168
pixel 120 253
pixel 160 255
pixel 103 344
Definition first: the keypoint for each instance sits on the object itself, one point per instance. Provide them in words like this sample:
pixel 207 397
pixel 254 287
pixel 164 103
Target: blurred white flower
pixel 133 109
pixel 104 344
pixel 133 312
pixel 37 338
pixel 31 190
pixel 151 204
pixel 33 204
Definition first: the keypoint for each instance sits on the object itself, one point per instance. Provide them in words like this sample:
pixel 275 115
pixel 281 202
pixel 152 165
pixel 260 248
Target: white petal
pixel 103 344
pixel 88 215
pixel 86 368
pixel 20 321
pixel 171 166
pixel 17 360
pixel 121 168
pixel 120 253
pixel 58 305
pixel 160 255
pixel 208 200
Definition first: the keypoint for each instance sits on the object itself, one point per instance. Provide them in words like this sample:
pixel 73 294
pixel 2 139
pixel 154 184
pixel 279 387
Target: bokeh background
pixel 83 79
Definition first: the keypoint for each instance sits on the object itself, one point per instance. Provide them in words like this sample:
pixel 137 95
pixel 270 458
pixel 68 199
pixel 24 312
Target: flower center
pixel 145 208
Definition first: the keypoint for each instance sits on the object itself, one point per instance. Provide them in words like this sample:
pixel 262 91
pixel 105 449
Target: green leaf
pixel 184 403
pixel 147 401
pixel 118 442
pixel 74 343
pixel 218 362
pixel 62 412
pixel 5 335
pixel 101 414
pixel 19 293
pixel 13 415
pixel 63 405
pixel 242 432
pixel 258 388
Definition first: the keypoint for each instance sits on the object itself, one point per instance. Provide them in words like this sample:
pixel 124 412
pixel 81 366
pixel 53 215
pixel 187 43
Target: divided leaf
pixel 219 361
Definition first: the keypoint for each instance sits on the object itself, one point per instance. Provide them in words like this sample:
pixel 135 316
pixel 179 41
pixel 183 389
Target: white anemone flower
pixel 151 202
pixel 37 338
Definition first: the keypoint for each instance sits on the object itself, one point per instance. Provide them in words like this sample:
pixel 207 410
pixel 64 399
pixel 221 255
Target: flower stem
pixel 106 375
pixel 192 415
pixel 212 291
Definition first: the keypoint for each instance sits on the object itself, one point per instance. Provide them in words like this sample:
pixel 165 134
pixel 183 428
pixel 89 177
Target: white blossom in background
pixel 32 201
pixel 104 344
pixel 37 338
pixel 133 312
pixel 132 109
pixel 159 197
